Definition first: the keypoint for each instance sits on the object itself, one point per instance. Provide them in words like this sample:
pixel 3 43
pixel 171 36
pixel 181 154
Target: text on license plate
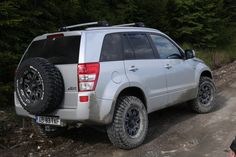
pixel 48 120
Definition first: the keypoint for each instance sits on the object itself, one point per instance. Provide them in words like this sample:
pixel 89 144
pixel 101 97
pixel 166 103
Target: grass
pixel 217 58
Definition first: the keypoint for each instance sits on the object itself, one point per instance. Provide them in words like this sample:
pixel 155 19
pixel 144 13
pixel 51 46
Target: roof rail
pixel 137 24
pixel 99 23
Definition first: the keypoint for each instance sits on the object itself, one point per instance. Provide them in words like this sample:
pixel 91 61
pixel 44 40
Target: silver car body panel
pixel 162 87
pixel 69 73
pixel 181 82
pixel 151 78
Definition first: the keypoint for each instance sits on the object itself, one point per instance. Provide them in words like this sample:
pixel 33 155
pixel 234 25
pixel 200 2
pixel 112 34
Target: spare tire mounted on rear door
pixel 39 86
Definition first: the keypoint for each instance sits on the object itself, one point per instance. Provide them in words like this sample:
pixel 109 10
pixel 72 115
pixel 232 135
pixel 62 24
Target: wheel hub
pixel 132 121
pixel 32 85
pixel 205 94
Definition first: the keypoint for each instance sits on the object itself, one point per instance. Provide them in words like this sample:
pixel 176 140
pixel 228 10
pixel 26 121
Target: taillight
pixel 83 98
pixel 88 76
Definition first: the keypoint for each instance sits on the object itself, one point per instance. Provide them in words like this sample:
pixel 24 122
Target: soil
pixel 173 132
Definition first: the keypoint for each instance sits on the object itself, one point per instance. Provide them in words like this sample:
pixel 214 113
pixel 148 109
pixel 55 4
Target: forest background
pixel 208 26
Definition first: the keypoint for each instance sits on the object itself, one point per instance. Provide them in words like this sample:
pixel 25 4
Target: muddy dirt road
pixel 173 132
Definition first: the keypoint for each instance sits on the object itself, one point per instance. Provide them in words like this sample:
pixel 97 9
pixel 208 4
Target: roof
pixel 122 28
pixel 104 30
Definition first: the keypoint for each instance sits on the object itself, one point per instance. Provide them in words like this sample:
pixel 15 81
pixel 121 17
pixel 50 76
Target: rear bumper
pixel 97 111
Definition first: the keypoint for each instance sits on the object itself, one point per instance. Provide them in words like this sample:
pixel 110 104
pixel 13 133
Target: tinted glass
pixel 141 46
pixel 62 50
pixel 128 51
pixel 112 48
pixel 164 47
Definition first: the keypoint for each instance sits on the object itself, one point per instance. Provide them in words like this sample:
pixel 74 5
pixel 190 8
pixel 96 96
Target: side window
pixel 141 46
pixel 112 48
pixel 128 51
pixel 164 47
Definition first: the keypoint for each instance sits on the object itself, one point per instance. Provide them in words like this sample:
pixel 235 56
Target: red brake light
pixel 83 98
pixel 55 36
pixel 87 76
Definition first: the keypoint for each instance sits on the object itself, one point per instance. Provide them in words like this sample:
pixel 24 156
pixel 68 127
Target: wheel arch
pixel 134 91
pixel 202 70
pixel 131 91
pixel 206 73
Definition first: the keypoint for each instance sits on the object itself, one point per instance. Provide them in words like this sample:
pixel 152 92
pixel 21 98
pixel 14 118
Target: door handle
pixel 133 69
pixel 168 66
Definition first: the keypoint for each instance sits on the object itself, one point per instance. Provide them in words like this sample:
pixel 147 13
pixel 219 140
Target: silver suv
pixel 112 76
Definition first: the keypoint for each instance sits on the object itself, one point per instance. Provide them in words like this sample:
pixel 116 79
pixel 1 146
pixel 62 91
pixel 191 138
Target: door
pixel 180 74
pixel 143 70
pixel 63 52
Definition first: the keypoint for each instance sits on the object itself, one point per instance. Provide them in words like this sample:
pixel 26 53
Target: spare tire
pixel 39 86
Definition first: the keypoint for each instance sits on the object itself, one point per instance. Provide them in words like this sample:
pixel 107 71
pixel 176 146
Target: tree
pixel 205 24
pixel 197 21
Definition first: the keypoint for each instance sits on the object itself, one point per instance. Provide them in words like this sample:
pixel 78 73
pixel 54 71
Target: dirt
pixel 225 75
pixel 173 132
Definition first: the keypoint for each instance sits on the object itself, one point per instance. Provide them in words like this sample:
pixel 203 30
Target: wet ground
pixel 173 132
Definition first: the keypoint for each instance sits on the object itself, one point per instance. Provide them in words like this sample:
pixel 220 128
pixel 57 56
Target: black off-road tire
pixel 46 131
pixel 51 85
pixel 196 104
pixel 117 132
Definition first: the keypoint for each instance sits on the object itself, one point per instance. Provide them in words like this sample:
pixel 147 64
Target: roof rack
pixel 99 23
pixel 137 24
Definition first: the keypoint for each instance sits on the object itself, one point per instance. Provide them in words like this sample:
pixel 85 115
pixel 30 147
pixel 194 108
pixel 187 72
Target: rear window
pixel 62 50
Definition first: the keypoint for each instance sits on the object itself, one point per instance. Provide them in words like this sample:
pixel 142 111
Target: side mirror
pixel 189 54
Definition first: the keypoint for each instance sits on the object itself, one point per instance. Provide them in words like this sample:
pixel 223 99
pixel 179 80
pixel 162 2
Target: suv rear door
pixel 63 52
pixel 143 70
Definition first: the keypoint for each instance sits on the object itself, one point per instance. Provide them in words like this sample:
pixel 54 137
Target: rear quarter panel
pixel 112 79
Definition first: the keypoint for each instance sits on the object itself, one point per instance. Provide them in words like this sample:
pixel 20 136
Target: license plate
pixel 48 120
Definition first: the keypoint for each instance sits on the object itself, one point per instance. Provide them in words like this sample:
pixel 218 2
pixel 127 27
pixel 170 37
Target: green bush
pixel 204 24
pixel 6 94
pixel 7 70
